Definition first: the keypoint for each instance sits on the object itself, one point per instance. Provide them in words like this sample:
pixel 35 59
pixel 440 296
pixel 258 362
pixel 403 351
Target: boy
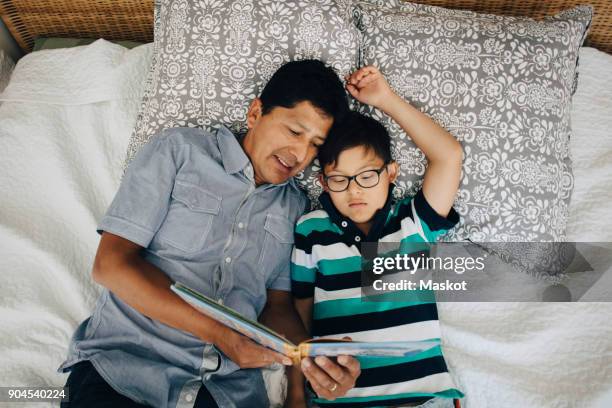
pixel 357 176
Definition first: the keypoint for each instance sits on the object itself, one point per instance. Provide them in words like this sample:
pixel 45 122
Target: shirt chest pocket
pixel 190 217
pixel 277 245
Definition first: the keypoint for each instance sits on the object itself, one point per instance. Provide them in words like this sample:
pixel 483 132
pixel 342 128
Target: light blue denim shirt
pixel 189 198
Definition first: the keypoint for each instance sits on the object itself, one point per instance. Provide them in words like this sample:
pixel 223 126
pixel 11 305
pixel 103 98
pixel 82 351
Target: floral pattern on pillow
pixel 502 86
pixel 213 57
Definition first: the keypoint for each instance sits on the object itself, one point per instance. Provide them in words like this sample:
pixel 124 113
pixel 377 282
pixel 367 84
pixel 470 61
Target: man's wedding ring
pixel 332 389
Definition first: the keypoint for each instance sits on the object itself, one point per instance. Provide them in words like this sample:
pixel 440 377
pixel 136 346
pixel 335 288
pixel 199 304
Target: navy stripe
pixel 327 237
pixel 401 372
pixel 434 220
pixel 302 290
pixel 339 281
pixel 376 320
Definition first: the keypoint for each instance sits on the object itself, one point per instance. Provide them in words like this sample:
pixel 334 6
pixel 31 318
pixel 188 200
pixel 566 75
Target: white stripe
pixel 313 214
pixel 339 250
pixel 407 228
pixel 321 295
pixel 431 383
pixel 429 329
pixel 301 258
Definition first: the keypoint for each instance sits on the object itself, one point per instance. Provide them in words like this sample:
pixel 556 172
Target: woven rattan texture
pixel 133 19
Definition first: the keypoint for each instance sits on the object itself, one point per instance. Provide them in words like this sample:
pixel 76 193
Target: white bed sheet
pixel 62 141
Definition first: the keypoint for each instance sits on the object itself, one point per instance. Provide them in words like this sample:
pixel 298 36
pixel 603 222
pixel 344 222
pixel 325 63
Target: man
pixel 215 212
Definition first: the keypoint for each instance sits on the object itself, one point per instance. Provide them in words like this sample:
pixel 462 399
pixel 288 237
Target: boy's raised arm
pixel 443 151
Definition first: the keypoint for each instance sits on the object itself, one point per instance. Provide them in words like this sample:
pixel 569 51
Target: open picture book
pixel 311 348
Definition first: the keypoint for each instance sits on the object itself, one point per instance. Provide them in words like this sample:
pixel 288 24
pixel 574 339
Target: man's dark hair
pixel 305 80
pixel 355 129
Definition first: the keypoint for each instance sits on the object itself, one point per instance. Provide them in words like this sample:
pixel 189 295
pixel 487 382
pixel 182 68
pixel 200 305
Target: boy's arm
pixel 443 151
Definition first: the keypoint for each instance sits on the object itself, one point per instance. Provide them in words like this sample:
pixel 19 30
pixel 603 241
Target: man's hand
pixel 328 379
pixel 245 352
pixel 369 86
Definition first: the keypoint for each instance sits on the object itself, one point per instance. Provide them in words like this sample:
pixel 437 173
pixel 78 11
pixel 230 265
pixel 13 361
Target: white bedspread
pixel 63 136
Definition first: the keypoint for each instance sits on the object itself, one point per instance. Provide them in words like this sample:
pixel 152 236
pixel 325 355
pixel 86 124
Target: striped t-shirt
pixel 326 264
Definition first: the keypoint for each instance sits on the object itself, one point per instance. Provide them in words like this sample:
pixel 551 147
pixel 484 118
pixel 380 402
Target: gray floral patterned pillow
pixel 213 57
pixel 502 86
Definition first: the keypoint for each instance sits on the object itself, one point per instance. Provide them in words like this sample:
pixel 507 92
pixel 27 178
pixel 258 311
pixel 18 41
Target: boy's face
pixel 283 142
pixel 358 203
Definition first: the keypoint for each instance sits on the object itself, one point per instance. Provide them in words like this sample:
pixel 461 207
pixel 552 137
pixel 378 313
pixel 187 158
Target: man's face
pixel 284 141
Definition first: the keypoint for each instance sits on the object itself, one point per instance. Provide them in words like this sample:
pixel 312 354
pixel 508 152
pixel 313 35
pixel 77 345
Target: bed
pixel 65 121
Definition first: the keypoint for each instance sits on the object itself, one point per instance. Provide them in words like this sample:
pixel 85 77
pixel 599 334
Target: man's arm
pixel 443 151
pixel 120 267
pixel 322 373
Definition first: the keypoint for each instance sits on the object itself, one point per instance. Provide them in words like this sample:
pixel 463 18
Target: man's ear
pixel 393 170
pixel 254 112
pixel 322 181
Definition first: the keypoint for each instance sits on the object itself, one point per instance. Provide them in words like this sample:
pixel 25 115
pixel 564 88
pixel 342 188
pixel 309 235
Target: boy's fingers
pixel 351 364
pixel 332 369
pixel 314 374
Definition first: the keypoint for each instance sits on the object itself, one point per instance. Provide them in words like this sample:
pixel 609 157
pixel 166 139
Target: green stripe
pixel 355 306
pixel 316 224
pixel 339 266
pixel 449 393
pixel 302 273
pixel 374 362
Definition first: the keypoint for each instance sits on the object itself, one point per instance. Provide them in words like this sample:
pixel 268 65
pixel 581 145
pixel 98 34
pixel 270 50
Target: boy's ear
pixel 393 170
pixel 322 181
pixel 254 112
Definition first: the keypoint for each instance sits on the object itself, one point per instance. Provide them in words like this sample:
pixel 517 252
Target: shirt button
pixel 189 397
pixel 357 238
pixel 344 224
pixel 220 301
pixel 228 260
pixel 240 225
pixel 207 377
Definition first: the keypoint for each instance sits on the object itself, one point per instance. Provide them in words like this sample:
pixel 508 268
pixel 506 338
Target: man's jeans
pixel 87 389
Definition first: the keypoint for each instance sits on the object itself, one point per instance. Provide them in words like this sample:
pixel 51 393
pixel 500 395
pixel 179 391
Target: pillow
pixel 212 58
pixel 6 67
pixel 502 86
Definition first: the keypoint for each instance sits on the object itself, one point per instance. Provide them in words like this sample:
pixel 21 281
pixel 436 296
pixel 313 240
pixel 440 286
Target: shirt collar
pixel 232 154
pixel 349 227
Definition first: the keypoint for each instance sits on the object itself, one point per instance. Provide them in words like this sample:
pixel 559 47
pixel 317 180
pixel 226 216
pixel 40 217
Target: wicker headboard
pixel 133 19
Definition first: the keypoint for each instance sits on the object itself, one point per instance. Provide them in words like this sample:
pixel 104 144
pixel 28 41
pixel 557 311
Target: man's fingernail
pixel 343 359
pixel 321 361
pixel 306 363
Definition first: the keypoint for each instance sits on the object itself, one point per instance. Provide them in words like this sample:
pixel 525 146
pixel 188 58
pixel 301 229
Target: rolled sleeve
pixel 282 281
pixel 143 198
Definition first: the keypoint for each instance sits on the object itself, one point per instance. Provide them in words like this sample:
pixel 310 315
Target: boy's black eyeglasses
pixel 365 179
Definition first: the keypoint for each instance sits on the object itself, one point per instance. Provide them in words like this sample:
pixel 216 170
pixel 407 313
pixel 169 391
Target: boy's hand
pixel 369 86
pixel 245 352
pixel 328 379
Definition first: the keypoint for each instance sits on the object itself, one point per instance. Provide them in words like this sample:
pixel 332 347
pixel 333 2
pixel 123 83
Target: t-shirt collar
pixel 348 226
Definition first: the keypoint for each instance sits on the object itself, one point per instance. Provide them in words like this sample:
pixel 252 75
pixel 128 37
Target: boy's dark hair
pixel 305 80
pixel 355 129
